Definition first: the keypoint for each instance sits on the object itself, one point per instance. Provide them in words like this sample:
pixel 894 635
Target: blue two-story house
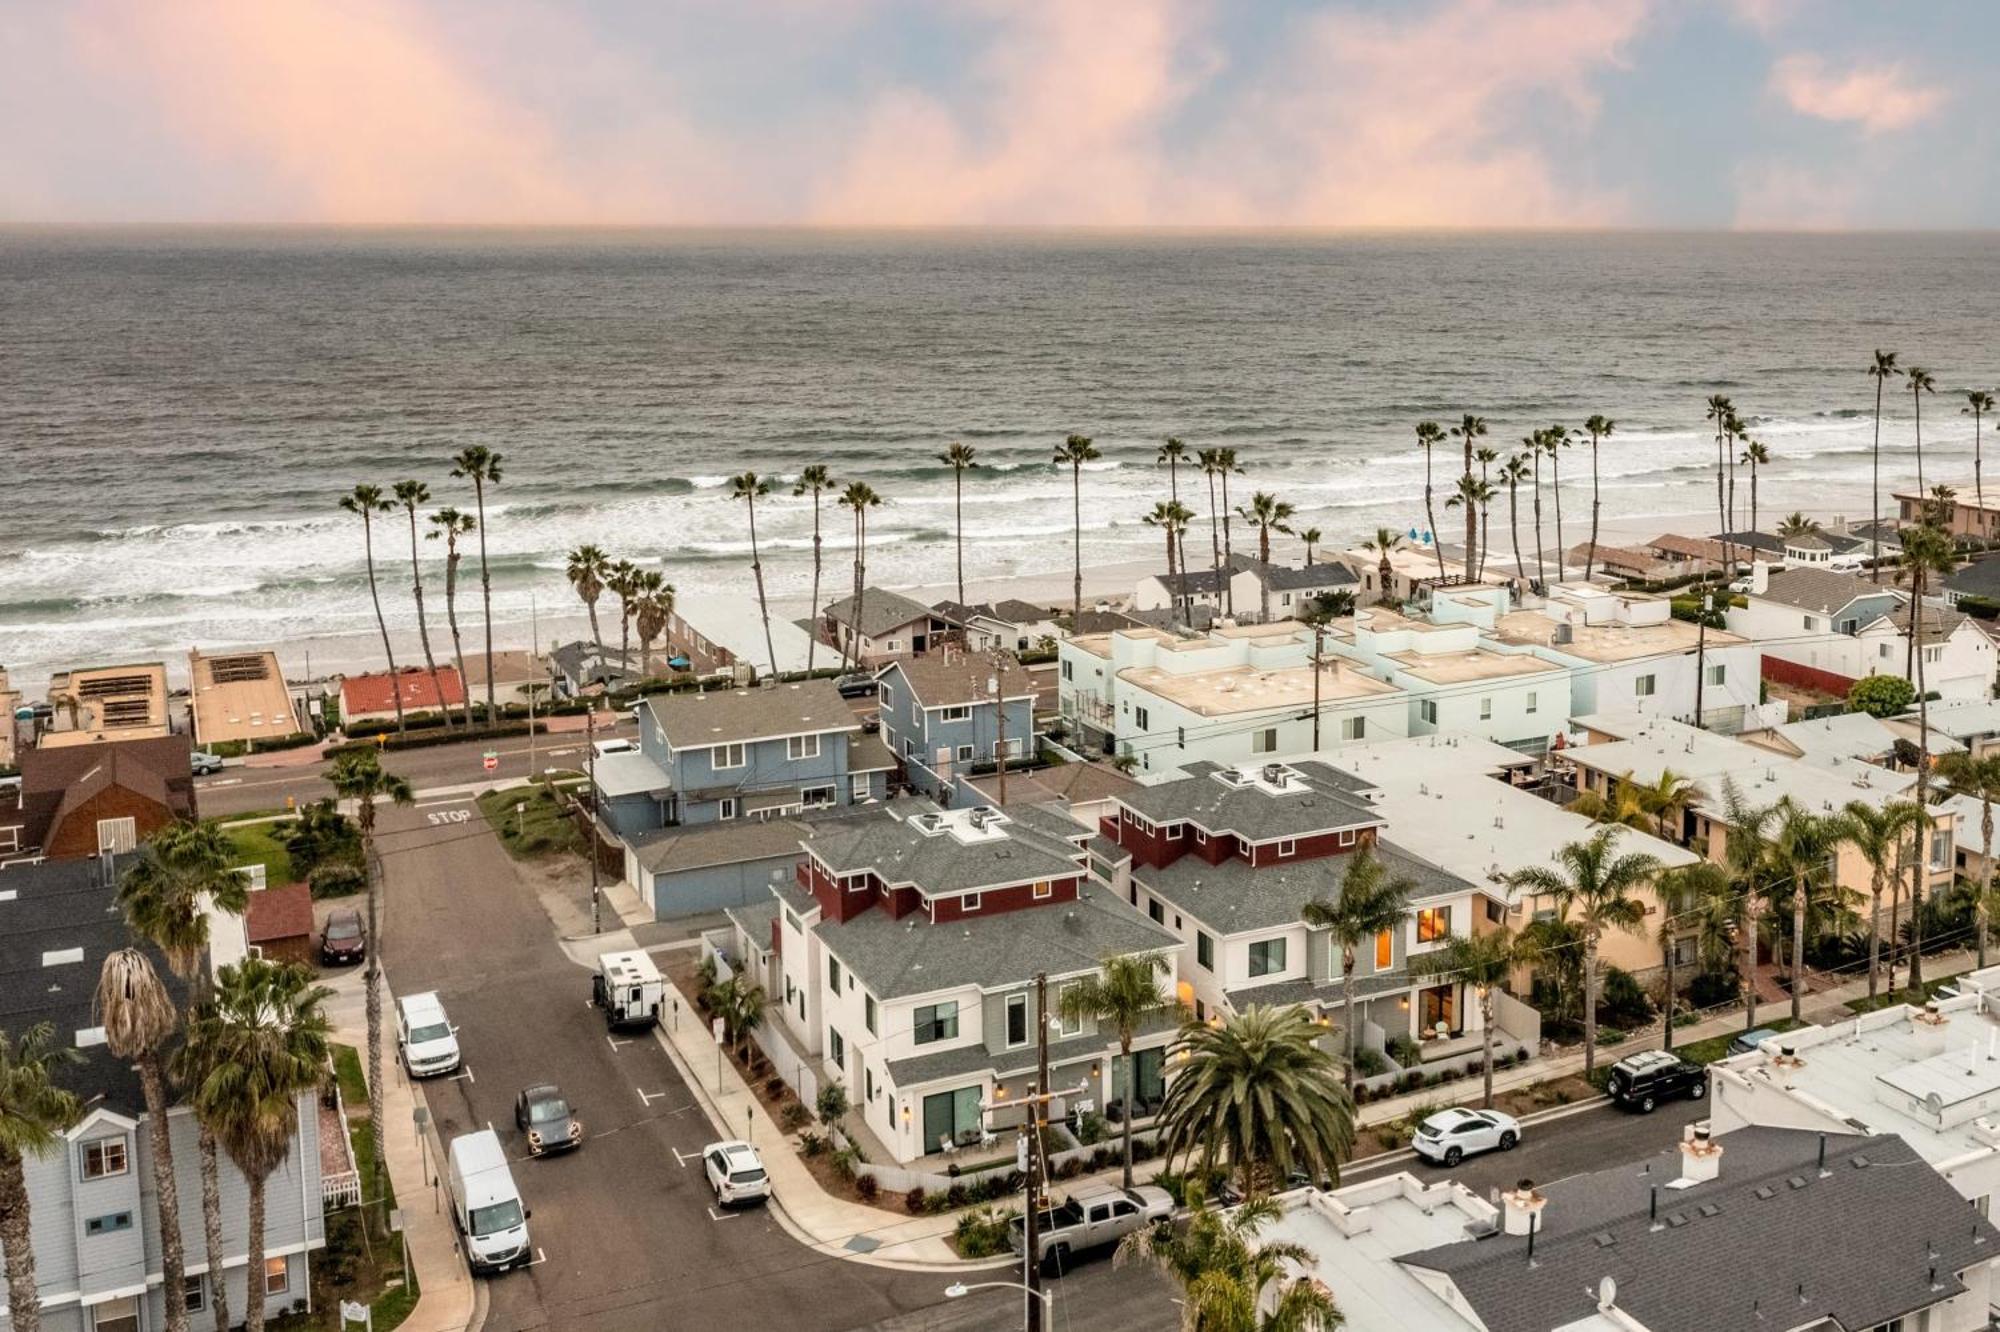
pixel 945 715
pixel 739 754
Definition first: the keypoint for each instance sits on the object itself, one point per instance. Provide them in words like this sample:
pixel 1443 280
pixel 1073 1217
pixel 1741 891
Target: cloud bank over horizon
pixel 1312 113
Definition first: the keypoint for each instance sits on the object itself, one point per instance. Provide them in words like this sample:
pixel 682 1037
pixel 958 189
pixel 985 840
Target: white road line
pixel 441 800
pixel 615 1043
pixel 540 1257
pixel 221 781
pixel 726 1216
pixel 684 1157
pixel 465 1076
pixel 647 1098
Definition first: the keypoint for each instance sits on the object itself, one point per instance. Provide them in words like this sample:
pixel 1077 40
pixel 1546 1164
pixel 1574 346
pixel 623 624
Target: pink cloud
pixel 1878 98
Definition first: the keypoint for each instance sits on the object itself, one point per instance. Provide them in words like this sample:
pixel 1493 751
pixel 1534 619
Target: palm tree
pixel 1555 439
pixel 1737 433
pixel 359 776
pixel 1384 544
pixel 1073 453
pixel 1533 446
pixel 162 895
pixel 1978 402
pixel 1468 432
pixel 1599 428
pixel 1122 997
pixel 1746 858
pixel 1977 777
pixel 1225 464
pixel 1172 518
pixel 1803 847
pixel 1666 798
pixel 1370 902
pixel 1174 453
pixel 1880 835
pixel 1755 455
pixel 656 607
pixel 1720 411
pixel 481 466
pixel 1682 893
pixel 1483 495
pixel 1266 513
pixel 959 457
pixel 815 480
pixel 1927 551
pixel 410 494
pixel 1211 465
pixel 139 1019
pixel 1259 1093
pixel 1512 473
pixel 450 524
pixel 1429 435
pixel 587 570
pixel 367 501
pixel 1485 961
pixel 859 498
pixel 1920 383
pixel 1475 494
pixel 1881 372
pixel 1796 524
pixel 1590 880
pixel 622 581
pixel 1313 537
pixel 750 487
pixel 34 1115
pixel 1231 1280
pixel 259 1044
pixel 1622 807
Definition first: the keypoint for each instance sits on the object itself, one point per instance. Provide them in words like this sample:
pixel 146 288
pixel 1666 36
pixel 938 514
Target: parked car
pixel 858 685
pixel 204 763
pixel 1449 1136
pixel 619 745
pixel 735 1173
pixel 1641 1081
pixel 1747 1041
pixel 485 1205
pixel 1090 1218
pixel 544 1114
pixel 424 1036
pixel 343 940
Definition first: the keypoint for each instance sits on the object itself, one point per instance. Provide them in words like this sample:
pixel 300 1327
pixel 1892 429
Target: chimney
pixel 1928 1027
pixel 1784 1061
pixel 1701 1155
pixel 1521 1206
pixel 1760 577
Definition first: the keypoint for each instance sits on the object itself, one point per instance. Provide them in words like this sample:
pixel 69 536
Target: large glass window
pixel 1017 1020
pixel 1385 951
pixel 1065 1026
pixel 105 1157
pixel 116 1315
pixel 1204 951
pixel 277 1276
pixel 1267 956
pixel 951 1118
pixel 936 1022
pixel 868 1013
pixel 1433 924
pixel 728 756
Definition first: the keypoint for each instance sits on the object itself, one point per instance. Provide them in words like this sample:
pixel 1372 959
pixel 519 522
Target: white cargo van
pixel 486 1205
pixel 628 988
pixel 425 1036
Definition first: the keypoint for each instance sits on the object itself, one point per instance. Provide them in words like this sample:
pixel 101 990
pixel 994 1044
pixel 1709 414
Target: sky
pixel 1819 114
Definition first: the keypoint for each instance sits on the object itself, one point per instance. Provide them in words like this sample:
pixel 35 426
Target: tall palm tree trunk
pixel 813 640
pixel 1875 492
pixel 1798 966
pixel 1229 588
pixel 958 517
pixel 1722 495
pixel 372 871
pixel 173 1258
pixel 24 1296
pixel 1076 528
pixel 1486 1032
pixel 1924 827
pixel 485 592
pixel 423 623
pixel 763 607
pixel 1874 931
pixel 1541 576
pixel 1980 904
pixel 1917 401
pixel 1214 544
pixel 457 643
pixel 1753 494
pixel 1131 1080
pixel 1514 526
pixel 375 595
pixel 253 1297
pixel 1895 911
pixel 1263 583
pixel 1596 505
pixel 1485 535
pixel 860 577
pixel 1589 1002
pixel 1471 518
pixel 1348 1017
pixel 1430 516
pixel 1556 492
pixel 211 1223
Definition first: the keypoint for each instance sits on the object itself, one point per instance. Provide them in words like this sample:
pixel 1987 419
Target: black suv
pixel 1641 1081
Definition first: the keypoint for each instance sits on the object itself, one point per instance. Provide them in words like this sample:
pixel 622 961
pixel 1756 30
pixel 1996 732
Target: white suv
pixel 425 1036
pixel 1449 1136
pixel 735 1172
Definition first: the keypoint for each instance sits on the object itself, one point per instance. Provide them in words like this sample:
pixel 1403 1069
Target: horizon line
pixel 974 228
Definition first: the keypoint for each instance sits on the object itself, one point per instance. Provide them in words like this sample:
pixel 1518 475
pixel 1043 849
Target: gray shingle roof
pixel 1981 578
pixel 1823 591
pixel 898 958
pixel 668 850
pixel 1837 542
pixel 1327 994
pixel 937 680
pixel 970 1059
pixel 1322 799
pixel 1770 1243
pixel 938 863
pixel 883 610
pixel 731 716
pixel 1233 897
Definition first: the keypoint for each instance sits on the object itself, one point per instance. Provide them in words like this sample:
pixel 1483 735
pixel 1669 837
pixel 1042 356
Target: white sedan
pixel 1449 1136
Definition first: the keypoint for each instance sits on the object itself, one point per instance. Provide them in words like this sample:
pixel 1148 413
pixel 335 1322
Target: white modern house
pixel 1241 586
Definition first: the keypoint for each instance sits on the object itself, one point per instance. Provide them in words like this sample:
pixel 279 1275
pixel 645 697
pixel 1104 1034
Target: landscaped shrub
pixel 1403 1049
pixel 956 1196
pixel 813 1144
pixel 867 1187
pixel 1622 1001
pixel 794 1116
pixel 984 1233
pixel 913 1201
pixel 1069 1168
pixel 1144 1149
pixel 336 879
pixel 1713 989
pixel 832 1103
pixel 1369 1062
pixel 1090 1129
pixel 1411 1080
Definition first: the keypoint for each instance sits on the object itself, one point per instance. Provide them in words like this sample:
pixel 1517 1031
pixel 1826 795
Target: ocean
pixel 180 410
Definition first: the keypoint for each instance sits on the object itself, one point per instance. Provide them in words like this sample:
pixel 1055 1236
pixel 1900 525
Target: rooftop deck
pixel 1240 689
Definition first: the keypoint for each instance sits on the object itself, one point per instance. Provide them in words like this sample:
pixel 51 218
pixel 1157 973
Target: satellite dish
pixel 1607 1293
pixel 1934 1103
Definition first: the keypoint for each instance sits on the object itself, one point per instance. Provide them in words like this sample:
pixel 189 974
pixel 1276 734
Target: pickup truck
pixel 1089 1219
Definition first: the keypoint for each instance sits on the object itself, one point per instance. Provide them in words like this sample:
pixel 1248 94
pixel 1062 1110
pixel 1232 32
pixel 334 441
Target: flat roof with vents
pixel 239 697
pixel 127 702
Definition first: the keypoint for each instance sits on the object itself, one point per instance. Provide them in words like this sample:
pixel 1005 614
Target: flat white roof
pixel 1762 775
pixel 1960 718
pixel 734 624
pixel 629 773
pixel 1355 1234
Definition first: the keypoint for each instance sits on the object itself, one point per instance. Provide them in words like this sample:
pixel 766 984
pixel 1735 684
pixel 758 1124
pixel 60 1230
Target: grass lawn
pixel 1715 1047
pixel 263 844
pixel 539 830
pixel 1904 996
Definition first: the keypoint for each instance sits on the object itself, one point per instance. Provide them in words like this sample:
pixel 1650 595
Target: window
pixel 1067 673
pixel 1204 951
pixel 833 973
pixel 194 1294
pixel 1533 704
pixel 109 1224
pixel 909 748
pixel 1017 1020
pixel 1385 951
pixel 727 756
pixel 725 808
pixel 1347 836
pixel 116 1315
pixel 1286 847
pixel 1643 687
pixel 1142 719
pixel 1156 911
pixel 1264 741
pixel 969 902
pixel 858 787
pixel 868 1083
pixel 868 1013
pixel 1200 837
pixel 816 795
pixel 1486 709
pixel 936 1022
pixel 1933 654
pixel 1353 728
pixel 836 1048
pixel 1044 890
pixel 1433 924
pixel 1495 911
pixel 801 746
pixel 1718 673
pixel 1809 621
pixel 1063 1026
pixel 105 1157
pixel 958 713
pixel 965 753
pixel 1427 710
pixel 1267 956
pixel 277 1275
pixel 892 645
pixel 792 920
pixel 883 698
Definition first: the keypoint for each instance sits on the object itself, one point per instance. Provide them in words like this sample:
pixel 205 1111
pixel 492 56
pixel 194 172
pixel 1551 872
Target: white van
pixel 424 1036
pixel 629 988
pixel 486 1205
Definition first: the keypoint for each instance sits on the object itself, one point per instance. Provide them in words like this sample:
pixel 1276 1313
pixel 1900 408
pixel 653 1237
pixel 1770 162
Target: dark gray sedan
pixel 544 1114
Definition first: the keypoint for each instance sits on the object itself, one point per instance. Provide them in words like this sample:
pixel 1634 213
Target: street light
pixel 958 1290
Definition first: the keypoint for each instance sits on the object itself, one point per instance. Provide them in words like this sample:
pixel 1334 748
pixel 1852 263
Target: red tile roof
pixel 364 694
pixel 280 913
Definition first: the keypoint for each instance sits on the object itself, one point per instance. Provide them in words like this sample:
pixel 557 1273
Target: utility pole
pixel 1037 1118
pixel 1700 653
pixel 534 621
pixel 1319 649
pixel 590 760
pixel 997 686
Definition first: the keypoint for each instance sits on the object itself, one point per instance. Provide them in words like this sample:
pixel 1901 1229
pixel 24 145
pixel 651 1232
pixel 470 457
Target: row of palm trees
pixel 1919 381
pixel 481 466
pixel 645 601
